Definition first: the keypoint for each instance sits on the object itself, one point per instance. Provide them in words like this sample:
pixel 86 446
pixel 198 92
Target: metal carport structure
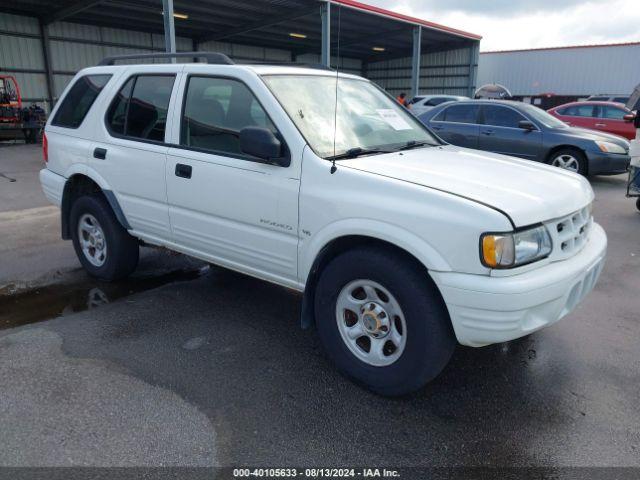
pixel 44 42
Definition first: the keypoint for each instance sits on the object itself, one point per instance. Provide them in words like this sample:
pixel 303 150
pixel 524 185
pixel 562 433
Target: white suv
pixel 401 244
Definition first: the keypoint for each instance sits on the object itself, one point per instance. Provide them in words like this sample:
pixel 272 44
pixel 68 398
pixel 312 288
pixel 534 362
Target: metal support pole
pixel 46 55
pixel 415 61
pixel 325 14
pixel 169 28
pixel 473 60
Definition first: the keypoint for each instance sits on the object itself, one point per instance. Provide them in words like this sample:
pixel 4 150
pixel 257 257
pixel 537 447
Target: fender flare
pixel 83 170
pixel 311 255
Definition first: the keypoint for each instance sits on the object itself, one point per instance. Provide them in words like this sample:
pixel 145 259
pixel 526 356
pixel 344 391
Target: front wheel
pixel 638 203
pixel 105 249
pixel 382 320
pixel 569 159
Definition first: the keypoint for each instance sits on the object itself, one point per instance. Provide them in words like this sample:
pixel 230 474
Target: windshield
pixel 366 117
pixel 543 117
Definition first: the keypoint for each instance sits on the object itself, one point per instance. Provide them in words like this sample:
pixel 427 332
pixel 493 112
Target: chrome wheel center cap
pixel 375 320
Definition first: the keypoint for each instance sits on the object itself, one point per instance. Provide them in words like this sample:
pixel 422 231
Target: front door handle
pixel 601 125
pixel 487 132
pixel 436 127
pixel 183 170
pixel 100 153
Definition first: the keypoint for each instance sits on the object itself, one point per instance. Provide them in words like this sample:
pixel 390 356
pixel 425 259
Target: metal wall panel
pixel 448 71
pixel 18 23
pixel 246 53
pixel 570 71
pixel 20 53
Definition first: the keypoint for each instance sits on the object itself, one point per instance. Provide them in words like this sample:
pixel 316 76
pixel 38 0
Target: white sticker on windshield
pixel 393 119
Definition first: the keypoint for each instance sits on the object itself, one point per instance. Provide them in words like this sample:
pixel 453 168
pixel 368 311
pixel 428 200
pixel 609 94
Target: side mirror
pixel 629 117
pixel 260 142
pixel 526 125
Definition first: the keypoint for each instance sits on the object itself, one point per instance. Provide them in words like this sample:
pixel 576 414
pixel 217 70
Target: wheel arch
pixel 558 148
pixel 82 183
pixel 426 257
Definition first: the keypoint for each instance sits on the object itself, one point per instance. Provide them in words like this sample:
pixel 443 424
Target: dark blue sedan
pixel 525 131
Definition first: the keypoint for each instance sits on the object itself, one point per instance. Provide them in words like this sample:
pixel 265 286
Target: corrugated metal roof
pixel 581 71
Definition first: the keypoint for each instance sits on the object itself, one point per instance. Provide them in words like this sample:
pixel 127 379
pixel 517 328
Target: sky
pixel 515 24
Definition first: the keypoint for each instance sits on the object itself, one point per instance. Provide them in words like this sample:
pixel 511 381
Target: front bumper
pixel 486 309
pixel 601 163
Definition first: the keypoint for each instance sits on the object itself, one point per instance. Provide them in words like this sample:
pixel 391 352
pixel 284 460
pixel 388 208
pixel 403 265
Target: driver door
pixel 224 204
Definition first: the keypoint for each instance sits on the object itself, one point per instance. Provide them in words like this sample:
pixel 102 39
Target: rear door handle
pixel 436 127
pixel 487 132
pixel 100 153
pixel 183 170
pixel 601 124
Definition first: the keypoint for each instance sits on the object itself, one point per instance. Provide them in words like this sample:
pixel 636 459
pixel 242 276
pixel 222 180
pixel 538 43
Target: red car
pixel 607 117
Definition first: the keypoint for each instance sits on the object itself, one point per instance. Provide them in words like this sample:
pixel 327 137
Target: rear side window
pixel 459 114
pixel 501 116
pixel 139 109
pixel 620 99
pixel 78 101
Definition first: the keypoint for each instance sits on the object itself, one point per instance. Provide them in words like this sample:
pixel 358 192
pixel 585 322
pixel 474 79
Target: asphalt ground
pixel 211 369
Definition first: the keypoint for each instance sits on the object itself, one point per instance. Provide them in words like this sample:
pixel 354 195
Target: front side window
pixel 78 101
pixel 352 114
pixel 612 113
pixel 578 111
pixel 215 110
pixel 498 116
pixel 139 110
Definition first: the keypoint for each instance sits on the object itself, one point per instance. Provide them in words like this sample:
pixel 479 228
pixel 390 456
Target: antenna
pixel 335 110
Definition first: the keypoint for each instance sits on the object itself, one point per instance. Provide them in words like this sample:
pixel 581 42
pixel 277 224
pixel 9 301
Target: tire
pixel 638 203
pixel 121 252
pixel 574 159
pixel 429 340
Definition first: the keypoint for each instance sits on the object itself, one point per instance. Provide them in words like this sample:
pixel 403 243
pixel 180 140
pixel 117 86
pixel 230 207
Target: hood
pixel 595 135
pixel 528 192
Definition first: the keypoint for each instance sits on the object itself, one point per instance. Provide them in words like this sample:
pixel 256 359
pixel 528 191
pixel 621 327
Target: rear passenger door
pixel 500 133
pixel 131 152
pixel 457 124
pixel 224 204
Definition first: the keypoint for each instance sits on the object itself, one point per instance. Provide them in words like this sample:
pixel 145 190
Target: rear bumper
pixel 485 309
pixel 52 186
pixel 601 163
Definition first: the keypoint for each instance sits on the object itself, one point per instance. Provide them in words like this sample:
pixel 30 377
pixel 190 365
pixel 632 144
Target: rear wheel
pixel 382 320
pixel 638 203
pixel 569 159
pixel 105 249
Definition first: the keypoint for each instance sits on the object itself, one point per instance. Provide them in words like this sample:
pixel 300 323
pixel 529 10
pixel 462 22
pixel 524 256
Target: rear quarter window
pixel 78 101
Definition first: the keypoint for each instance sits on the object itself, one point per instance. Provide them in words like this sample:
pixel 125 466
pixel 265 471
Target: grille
pixel 569 234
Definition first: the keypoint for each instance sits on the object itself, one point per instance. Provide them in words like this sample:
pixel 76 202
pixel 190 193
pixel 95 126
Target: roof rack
pixel 315 66
pixel 210 57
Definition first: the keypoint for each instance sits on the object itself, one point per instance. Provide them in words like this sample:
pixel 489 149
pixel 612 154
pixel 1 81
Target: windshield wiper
pixel 414 144
pixel 357 152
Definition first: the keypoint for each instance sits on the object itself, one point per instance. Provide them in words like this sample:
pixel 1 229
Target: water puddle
pixel 51 301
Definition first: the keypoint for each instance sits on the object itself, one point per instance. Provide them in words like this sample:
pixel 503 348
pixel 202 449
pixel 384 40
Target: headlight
pixel 508 250
pixel 609 147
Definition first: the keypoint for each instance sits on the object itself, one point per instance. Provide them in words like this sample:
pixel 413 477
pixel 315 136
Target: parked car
pixel 399 243
pixel 424 103
pixel 602 116
pixel 522 130
pixel 623 99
